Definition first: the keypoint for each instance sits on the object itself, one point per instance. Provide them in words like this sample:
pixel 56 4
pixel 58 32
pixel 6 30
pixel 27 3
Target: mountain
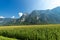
pixel 56 10
pixel 6 21
pixel 35 17
pixel 44 16
pixel 22 19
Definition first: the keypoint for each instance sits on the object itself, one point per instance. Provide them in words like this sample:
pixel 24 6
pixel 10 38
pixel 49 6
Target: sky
pixel 15 8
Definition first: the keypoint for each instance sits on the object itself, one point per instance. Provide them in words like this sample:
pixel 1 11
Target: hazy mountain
pixel 5 21
pixel 44 16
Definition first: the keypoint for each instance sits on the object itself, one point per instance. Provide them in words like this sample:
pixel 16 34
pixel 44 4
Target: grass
pixel 5 38
pixel 32 32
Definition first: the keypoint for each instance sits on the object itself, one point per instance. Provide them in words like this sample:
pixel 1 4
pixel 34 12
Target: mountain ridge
pixel 37 17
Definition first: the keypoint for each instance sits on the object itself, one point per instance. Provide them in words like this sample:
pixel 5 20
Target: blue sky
pixel 11 8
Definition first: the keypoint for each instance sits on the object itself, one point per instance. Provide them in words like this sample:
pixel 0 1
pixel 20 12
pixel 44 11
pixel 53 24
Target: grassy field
pixel 31 32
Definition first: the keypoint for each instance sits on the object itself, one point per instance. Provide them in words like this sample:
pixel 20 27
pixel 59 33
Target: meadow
pixel 31 32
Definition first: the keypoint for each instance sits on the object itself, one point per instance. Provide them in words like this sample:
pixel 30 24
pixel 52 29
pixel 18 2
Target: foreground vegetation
pixel 5 38
pixel 31 32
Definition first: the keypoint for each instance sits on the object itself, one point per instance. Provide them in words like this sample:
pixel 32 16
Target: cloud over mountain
pixel 13 17
pixel 20 14
pixel 2 17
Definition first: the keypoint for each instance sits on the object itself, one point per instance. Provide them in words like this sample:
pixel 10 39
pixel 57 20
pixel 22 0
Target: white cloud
pixel 13 17
pixel 50 4
pixel 2 17
pixel 20 14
